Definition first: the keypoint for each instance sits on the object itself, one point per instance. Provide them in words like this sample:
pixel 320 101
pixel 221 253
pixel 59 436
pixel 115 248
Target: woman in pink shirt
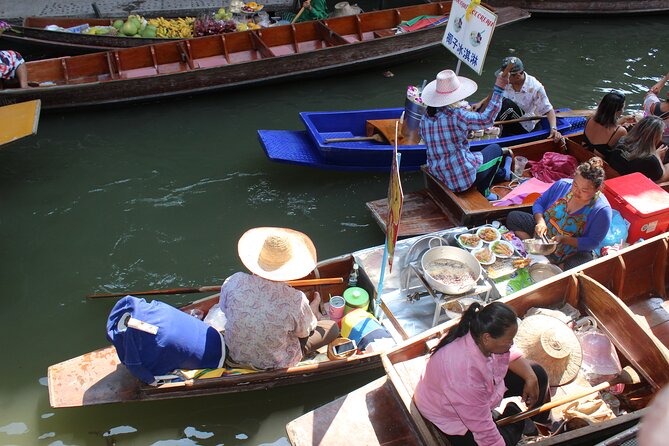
pixel 469 372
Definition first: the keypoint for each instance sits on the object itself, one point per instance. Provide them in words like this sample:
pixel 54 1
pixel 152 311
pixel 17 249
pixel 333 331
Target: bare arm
pixel 522 368
pixel 659 85
pixel 552 121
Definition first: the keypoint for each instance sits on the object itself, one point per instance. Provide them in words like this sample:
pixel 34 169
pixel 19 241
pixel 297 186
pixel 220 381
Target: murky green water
pixel 156 195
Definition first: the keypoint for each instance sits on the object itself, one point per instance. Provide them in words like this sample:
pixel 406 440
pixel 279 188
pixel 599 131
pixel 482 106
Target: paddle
pixel 627 376
pixel 216 288
pixel 297 16
pixel 375 137
pixel 562 114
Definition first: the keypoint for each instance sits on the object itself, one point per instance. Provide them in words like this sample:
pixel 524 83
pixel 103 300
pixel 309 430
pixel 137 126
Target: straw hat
pixel 344 8
pixel 447 89
pixel 548 341
pixel 277 254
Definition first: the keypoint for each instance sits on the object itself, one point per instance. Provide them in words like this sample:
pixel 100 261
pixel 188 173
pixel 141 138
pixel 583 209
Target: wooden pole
pixel 297 16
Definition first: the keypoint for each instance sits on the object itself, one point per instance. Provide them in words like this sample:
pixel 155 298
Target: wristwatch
pixel 553 128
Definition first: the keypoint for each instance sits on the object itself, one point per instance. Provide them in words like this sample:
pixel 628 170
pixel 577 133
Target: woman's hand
pixel 540 229
pixel 502 80
pixel 661 151
pixel 531 390
pixel 307 4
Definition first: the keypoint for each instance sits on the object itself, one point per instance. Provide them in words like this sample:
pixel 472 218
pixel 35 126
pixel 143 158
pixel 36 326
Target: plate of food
pixel 469 241
pixel 484 255
pixel 488 234
pixel 502 249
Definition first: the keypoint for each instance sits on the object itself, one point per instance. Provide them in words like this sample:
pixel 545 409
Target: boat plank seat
pixel 420 214
pixel 330 36
pixel 136 62
pixel 378 20
pixel 348 27
pixel 281 41
pixel 171 58
pixel 87 68
pixel 260 45
pixel 208 53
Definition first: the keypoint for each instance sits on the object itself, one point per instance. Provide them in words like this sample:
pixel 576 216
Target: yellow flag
pixel 470 8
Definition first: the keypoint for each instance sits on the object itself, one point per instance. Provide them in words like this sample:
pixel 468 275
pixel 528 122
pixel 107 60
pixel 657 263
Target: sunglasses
pixel 619 94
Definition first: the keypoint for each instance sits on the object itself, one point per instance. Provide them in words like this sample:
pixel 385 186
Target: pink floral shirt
pixel 265 320
pixel 459 388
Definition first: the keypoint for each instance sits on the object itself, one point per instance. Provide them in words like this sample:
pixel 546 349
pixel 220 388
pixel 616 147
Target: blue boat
pixel 309 147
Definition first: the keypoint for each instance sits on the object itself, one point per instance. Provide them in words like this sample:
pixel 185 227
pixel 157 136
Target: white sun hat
pixel 447 89
pixel 277 254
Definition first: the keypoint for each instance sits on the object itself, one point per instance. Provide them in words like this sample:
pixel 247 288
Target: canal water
pixel 156 195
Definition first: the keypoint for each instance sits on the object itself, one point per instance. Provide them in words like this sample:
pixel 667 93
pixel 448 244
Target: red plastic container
pixel 641 202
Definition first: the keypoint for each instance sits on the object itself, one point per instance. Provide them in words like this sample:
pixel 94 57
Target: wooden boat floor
pixel 365 414
pixel 655 311
pixel 420 214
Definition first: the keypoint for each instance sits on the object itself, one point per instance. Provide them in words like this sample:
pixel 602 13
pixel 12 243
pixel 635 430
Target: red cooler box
pixel 641 202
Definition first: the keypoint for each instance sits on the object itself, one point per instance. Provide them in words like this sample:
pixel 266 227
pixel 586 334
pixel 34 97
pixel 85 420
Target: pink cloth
pixel 517 195
pixel 553 166
pixel 265 320
pixel 460 387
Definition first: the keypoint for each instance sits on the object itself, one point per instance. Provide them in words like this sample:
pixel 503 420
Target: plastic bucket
pixel 356 297
pixel 362 327
pixel 413 113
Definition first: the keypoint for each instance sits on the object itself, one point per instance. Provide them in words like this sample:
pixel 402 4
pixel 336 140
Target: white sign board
pixel 469 38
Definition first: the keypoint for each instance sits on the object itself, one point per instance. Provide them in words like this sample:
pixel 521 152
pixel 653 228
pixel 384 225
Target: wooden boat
pixel 625 293
pixel 233 60
pixel 436 205
pixel 98 377
pixel 585 7
pixel 309 148
pixel 31 36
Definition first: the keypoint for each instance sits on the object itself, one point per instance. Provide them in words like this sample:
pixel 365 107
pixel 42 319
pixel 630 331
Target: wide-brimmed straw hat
pixel 551 343
pixel 447 89
pixel 277 254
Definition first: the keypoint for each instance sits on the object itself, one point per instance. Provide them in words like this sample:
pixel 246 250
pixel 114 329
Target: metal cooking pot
pixel 536 246
pixel 450 253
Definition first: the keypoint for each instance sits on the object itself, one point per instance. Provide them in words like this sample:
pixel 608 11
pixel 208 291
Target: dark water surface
pixel 156 195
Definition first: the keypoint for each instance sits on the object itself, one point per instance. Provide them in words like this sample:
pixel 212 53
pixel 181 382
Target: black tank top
pixel 604 149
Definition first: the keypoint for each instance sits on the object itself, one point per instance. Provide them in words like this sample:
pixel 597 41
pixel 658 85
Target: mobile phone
pixel 345 347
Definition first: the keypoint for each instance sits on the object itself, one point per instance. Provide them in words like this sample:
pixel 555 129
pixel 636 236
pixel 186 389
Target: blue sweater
pixel 598 222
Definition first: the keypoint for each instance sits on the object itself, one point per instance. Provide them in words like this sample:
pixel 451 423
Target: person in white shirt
pixel 524 96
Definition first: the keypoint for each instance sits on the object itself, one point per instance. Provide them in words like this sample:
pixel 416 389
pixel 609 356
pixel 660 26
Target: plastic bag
pixel 617 231
pixel 553 166
pixel 216 318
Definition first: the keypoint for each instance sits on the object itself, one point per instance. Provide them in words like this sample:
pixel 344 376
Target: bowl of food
pixel 502 249
pixel 469 241
pixel 450 270
pixel 484 255
pixel 537 246
pixel 488 234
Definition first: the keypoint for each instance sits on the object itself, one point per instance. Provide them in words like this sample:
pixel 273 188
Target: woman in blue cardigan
pixel 574 213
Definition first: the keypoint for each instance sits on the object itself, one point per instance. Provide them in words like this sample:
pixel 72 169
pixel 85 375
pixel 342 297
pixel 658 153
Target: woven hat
pixel 447 89
pixel 277 254
pixel 551 343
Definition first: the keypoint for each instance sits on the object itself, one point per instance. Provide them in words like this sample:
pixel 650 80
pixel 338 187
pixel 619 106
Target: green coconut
pixel 118 24
pixel 129 28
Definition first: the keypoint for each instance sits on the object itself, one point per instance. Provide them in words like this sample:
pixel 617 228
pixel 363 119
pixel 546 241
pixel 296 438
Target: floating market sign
pixel 469 32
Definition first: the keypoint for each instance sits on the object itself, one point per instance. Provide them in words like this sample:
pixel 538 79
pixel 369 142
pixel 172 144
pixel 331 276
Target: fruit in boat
pixel 118 24
pixel 129 28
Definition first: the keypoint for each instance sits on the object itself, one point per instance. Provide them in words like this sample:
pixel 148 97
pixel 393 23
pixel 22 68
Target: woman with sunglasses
pixel 603 130
pixel 654 106
pixel 642 151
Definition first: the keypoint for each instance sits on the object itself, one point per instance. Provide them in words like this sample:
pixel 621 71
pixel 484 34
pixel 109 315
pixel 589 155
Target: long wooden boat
pixel 625 293
pixel 99 377
pixel 586 7
pixel 309 147
pixel 233 60
pixel 436 205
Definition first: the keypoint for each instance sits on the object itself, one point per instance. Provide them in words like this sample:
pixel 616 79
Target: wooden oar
pixel 216 288
pixel 562 114
pixel 375 137
pixel 627 376
pixel 297 16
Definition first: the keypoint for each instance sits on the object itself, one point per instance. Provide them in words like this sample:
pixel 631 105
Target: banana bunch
pixel 181 28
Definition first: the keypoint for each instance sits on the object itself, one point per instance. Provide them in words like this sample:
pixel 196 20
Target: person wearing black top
pixel 603 130
pixel 639 151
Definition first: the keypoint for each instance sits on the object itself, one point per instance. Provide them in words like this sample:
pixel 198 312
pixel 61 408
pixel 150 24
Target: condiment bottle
pixel 353 277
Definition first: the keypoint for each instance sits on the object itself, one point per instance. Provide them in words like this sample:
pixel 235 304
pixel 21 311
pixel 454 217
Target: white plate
pixel 463 245
pixel 503 242
pixel 492 255
pixel 485 228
